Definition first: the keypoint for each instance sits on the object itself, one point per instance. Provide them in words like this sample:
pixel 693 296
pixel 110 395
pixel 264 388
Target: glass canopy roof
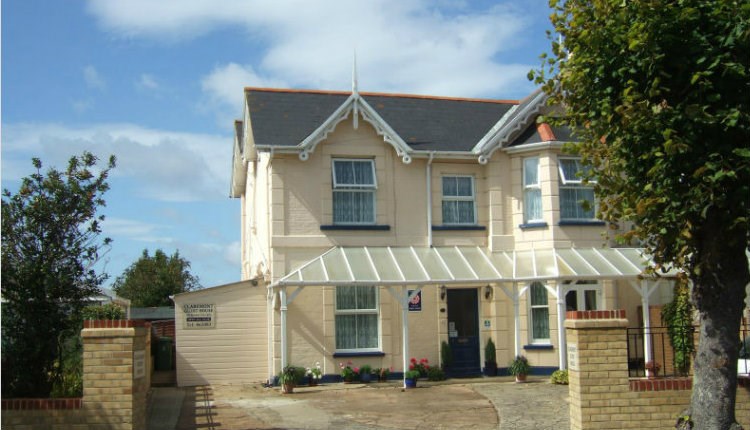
pixel 464 265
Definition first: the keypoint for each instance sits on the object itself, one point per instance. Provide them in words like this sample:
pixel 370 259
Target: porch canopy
pixel 394 266
pixel 415 267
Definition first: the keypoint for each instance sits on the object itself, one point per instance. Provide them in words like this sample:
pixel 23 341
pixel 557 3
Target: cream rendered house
pixel 376 227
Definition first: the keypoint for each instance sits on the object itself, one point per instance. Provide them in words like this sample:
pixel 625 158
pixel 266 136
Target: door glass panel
pixel 571 301
pixel 590 297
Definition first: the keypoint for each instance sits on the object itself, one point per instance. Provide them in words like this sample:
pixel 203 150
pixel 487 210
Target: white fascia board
pixel 384 129
pixel 239 172
pixel 329 125
pixel 530 147
pixel 485 141
pixel 513 126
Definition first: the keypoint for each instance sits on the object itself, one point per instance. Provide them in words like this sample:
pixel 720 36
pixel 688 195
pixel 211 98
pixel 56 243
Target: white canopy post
pixel 283 308
pixel 645 292
pixel 404 298
pixel 561 344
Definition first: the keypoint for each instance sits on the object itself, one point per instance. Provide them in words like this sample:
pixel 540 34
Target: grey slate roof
pixel 156 313
pixel 287 117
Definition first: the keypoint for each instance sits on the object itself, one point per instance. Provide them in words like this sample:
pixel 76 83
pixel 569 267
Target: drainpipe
pixel 269 334
pixel 429 198
pixel 405 328
pixel 647 356
pixel 517 319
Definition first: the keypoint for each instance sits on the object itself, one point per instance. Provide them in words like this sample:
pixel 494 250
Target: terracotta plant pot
pixel 521 378
pixel 287 388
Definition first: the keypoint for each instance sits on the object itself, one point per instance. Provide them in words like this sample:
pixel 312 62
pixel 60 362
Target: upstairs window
pixel 532 191
pixel 354 187
pixel 458 200
pixel 357 318
pixel 577 201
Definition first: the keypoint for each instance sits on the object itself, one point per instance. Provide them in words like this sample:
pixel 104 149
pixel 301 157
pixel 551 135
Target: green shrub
pixel 435 374
pixel 559 377
pixel 110 311
pixel 446 356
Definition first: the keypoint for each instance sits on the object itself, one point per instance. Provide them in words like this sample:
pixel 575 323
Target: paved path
pixel 474 404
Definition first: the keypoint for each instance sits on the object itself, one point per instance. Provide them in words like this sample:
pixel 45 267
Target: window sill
pixel 359 354
pixel 582 223
pixel 538 347
pixel 345 227
pixel 532 225
pixel 445 227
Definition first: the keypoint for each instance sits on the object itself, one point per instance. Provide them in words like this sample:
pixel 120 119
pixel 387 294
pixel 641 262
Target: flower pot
pixel 313 382
pixel 521 377
pixel 365 378
pixel 287 388
pixel 411 383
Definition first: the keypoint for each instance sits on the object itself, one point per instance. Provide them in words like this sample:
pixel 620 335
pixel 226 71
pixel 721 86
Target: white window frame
pixel 531 186
pixel 530 306
pixel 471 198
pixel 375 311
pixel 574 183
pixel 580 288
pixel 358 188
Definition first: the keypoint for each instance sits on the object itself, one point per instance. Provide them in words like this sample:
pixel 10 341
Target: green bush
pixel 110 311
pixel 559 377
pixel 435 374
pixel 68 368
pixel 446 356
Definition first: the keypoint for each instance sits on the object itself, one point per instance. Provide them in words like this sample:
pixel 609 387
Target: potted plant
pixel 519 368
pixel 653 369
pixel 422 366
pixel 347 372
pixel 365 373
pixel 314 374
pixel 289 378
pixel 410 377
pixel 490 359
pixel 382 374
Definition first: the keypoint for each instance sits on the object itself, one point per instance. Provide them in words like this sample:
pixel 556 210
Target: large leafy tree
pixel 50 244
pixel 152 279
pixel 658 91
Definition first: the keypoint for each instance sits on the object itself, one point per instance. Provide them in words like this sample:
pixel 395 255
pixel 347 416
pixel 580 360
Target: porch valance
pixel 465 265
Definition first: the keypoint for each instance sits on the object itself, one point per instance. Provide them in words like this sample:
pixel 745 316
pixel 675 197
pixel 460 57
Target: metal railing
pixel 662 353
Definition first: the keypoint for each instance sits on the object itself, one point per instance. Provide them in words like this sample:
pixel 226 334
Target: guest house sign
pixel 199 315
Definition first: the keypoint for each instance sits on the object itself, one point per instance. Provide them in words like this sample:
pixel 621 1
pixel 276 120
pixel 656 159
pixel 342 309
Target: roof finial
pixel 355 90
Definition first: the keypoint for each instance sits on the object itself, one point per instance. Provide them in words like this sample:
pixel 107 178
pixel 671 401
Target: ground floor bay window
pixel 357 325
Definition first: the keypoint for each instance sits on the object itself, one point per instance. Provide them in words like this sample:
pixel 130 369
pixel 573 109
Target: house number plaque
pixel 573 356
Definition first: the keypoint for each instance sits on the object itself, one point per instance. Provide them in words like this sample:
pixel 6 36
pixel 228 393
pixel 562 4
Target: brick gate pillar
pixel 597 368
pixel 116 373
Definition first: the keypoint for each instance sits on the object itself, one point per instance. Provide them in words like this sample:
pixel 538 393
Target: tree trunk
pixel 719 296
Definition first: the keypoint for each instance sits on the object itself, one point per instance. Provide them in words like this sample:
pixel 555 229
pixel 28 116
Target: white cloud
pixel 147 82
pixel 163 165
pixel 135 230
pixel 414 46
pixel 93 79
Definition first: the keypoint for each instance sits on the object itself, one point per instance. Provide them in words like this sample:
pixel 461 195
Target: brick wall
pixel 116 380
pixel 601 394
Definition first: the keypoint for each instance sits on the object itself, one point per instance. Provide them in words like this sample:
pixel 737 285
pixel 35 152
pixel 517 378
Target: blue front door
pixel 463 332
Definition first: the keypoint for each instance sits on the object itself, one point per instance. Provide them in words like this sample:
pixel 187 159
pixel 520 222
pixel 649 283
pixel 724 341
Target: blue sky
pixel 158 84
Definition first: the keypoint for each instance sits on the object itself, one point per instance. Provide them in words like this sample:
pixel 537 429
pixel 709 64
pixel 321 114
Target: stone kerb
pixel 598 368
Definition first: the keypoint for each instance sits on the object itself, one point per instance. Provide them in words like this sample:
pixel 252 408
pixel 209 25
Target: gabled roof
pixel 297 120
